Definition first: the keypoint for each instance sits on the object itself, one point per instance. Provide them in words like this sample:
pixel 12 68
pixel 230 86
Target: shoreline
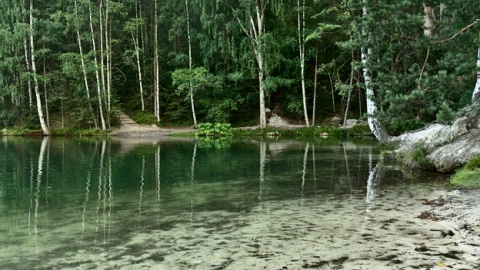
pixel 457 211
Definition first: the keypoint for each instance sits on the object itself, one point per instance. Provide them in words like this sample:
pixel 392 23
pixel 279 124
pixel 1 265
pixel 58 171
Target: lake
pixel 145 203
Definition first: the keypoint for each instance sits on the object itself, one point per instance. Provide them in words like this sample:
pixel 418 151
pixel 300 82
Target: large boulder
pixel 450 146
pixel 452 155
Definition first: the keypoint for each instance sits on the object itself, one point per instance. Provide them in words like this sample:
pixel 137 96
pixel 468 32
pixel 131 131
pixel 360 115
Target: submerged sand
pixel 323 232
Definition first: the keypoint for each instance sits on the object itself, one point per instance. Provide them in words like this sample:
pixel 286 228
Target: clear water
pixel 149 204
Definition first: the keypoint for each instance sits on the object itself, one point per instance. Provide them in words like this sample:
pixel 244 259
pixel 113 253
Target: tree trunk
pixel 476 91
pixel 139 70
pixel 102 52
pixel 84 70
pixel 349 96
pixel 301 45
pixel 97 75
pixel 29 82
pixel 315 86
pixel 255 32
pixel 45 94
pixel 428 19
pixel 156 64
pixel 190 65
pixel 372 110
pixel 108 58
pixel 136 44
pixel 43 124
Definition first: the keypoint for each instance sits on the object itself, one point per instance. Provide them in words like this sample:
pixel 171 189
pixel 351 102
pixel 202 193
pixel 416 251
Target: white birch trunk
pixel 139 70
pixel 255 32
pixel 84 69
pixel 301 45
pixel 190 66
pixel 29 82
pixel 372 110
pixel 349 96
pixel 108 58
pixel 315 87
pixel 136 44
pixel 102 51
pixel 156 65
pixel 97 75
pixel 428 17
pixel 43 124
pixel 476 91
pixel 45 93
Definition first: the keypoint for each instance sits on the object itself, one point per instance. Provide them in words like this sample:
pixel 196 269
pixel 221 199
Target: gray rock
pixel 336 120
pixel 351 123
pixel 453 155
pixel 460 127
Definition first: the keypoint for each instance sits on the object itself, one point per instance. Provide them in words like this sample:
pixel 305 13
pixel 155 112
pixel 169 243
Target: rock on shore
pixel 450 146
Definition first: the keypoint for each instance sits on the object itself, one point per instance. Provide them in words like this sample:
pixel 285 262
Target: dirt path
pixel 129 128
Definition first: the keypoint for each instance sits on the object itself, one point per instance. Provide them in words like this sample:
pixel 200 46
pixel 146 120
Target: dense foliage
pixel 74 63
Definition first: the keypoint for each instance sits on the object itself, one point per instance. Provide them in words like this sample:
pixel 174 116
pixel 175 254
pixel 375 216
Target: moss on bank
pixel 469 175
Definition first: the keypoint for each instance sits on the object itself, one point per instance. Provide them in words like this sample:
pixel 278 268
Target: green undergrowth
pixel 469 175
pixel 466 178
pixel 144 118
pixel 307 132
pixel 57 132
pixel 416 158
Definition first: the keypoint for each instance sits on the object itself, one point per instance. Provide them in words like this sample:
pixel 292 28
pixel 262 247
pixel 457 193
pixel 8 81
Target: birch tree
pixel 372 110
pixel 133 27
pixel 254 28
pixel 301 49
pixel 156 79
pixel 97 73
pixel 43 123
pixel 82 61
pixel 190 65
pixel 476 90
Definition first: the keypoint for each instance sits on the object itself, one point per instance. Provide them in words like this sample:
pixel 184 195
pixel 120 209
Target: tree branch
pixel 458 33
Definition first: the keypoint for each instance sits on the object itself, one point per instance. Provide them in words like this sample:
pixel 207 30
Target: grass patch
pixel 466 178
pixel 473 163
pixel 417 157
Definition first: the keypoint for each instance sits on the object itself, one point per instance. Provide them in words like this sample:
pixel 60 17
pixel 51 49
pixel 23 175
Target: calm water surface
pixel 146 204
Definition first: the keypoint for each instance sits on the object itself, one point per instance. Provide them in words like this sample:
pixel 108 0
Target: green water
pixel 150 204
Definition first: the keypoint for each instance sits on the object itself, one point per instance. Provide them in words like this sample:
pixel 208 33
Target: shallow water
pixel 146 204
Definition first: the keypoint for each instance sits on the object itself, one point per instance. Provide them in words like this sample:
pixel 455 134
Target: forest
pixel 77 63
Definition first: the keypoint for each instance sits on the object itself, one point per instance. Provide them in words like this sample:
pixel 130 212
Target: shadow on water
pixel 85 203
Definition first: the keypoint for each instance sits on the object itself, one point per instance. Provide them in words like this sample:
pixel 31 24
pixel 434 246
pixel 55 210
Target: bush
pixel 445 115
pixel 145 118
pixel 217 130
pixel 398 126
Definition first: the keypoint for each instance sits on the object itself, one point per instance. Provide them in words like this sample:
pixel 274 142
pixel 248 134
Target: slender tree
pixel 255 30
pixel 190 65
pixel 476 90
pixel 82 61
pixel 372 110
pixel 156 79
pixel 97 75
pixel 43 123
pixel 301 49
